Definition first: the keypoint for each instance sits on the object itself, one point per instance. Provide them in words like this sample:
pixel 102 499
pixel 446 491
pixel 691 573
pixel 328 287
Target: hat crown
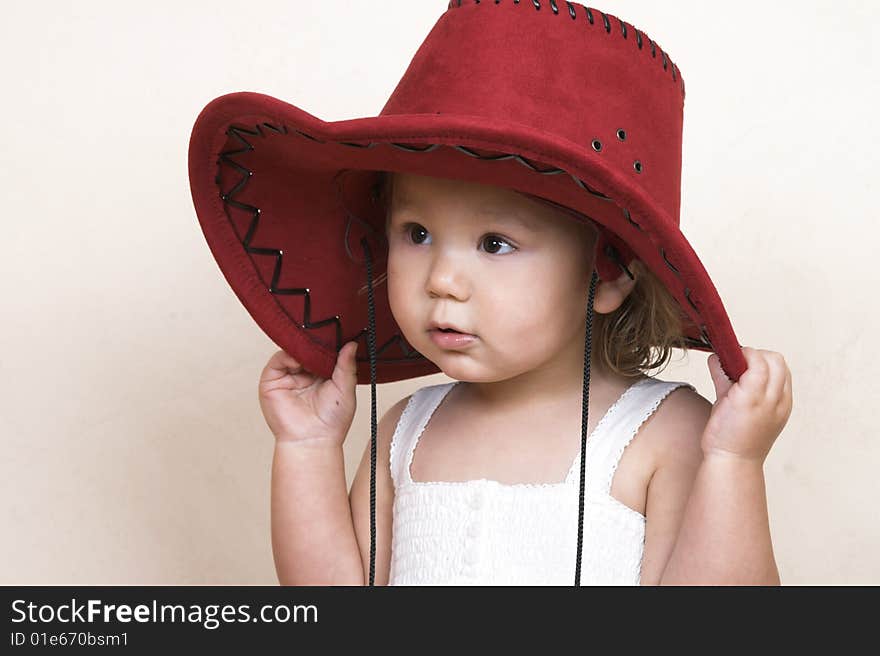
pixel 580 74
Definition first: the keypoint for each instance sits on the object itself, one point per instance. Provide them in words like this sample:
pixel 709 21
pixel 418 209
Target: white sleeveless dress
pixel 483 532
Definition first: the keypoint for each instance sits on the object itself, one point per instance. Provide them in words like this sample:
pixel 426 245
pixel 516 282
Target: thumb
pixel 345 372
pixel 719 378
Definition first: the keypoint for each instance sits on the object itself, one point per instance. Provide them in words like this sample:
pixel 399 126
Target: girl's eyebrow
pixel 403 201
pixel 511 215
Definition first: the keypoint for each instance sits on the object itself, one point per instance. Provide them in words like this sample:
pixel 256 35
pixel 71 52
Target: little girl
pixel 522 180
pixel 489 494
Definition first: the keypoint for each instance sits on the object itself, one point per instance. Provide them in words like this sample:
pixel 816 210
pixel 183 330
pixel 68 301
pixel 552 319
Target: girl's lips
pixel 450 340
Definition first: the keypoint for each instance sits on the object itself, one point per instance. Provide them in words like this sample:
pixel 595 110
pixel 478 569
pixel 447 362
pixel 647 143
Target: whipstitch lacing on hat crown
pixel 606 23
pixel 228 198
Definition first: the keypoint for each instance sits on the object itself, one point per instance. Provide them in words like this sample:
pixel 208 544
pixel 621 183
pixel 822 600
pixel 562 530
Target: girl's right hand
pixel 299 406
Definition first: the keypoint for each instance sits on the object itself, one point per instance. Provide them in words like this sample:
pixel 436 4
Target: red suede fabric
pixel 499 79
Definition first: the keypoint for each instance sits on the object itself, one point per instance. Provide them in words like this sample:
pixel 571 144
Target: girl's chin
pixel 460 366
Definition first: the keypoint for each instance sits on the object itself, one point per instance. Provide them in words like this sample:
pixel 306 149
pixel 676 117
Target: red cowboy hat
pixel 591 118
pixel 550 99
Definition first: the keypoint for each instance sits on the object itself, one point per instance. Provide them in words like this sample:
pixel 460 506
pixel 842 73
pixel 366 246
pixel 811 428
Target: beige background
pixel 134 449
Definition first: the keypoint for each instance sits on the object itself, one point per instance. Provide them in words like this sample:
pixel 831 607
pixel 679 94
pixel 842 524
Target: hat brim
pixel 259 166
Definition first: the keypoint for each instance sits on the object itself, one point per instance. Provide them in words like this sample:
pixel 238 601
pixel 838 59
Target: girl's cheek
pixel 398 273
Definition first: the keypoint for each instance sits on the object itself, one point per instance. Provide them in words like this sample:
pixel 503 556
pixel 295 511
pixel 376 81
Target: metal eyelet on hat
pixel 621 134
pixel 637 165
pixel 597 145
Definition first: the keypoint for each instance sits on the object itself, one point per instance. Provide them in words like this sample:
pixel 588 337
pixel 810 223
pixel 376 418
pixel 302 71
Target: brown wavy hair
pixel 638 336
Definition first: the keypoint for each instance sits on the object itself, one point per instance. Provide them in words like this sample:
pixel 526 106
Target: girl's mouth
pixel 451 339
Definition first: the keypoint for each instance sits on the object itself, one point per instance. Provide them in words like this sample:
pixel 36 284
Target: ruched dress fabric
pixel 483 532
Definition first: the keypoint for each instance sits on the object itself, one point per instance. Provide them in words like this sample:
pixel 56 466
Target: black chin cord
pixel 588 342
pixel 371 344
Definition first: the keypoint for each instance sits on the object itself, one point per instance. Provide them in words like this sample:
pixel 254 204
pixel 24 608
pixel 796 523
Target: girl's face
pixel 493 263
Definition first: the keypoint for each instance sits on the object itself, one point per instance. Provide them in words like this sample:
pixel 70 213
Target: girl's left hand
pixel 749 414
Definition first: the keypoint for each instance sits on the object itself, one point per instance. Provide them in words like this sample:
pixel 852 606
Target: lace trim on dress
pixel 618 451
pixel 402 422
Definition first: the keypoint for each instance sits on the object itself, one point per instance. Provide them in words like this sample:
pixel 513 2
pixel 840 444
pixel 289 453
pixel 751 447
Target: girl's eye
pixel 414 230
pixel 495 239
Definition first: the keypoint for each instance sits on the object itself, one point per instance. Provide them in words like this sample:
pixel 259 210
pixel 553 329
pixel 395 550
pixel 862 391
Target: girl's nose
pixel 447 277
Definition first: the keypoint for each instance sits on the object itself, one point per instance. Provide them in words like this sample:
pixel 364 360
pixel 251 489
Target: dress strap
pixel 619 427
pixel 412 422
pixel 605 445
